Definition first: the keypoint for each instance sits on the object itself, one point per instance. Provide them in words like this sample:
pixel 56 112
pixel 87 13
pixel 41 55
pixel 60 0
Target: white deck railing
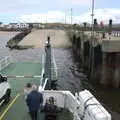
pixel 4 62
pixel 116 33
pixel 54 74
pixel 43 70
pixel 55 70
pixel 54 67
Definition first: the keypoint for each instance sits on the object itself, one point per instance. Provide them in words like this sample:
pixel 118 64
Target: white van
pixel 5 90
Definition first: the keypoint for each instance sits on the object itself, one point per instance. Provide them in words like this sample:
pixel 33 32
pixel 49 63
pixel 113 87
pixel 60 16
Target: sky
pixel 58 11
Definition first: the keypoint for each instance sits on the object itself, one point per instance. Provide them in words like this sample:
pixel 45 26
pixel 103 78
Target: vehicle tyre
pixel 7 96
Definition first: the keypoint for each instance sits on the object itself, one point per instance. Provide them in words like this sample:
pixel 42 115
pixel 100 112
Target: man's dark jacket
pixel 34 99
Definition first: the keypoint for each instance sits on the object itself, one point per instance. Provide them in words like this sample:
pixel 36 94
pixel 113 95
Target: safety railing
pixel 45 83
pixel 43 70
pixel 116 34
pixel 55 70
pixel 54 74
pixel 4 62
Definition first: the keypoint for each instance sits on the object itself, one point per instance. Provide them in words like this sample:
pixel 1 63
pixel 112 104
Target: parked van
pixel 5 90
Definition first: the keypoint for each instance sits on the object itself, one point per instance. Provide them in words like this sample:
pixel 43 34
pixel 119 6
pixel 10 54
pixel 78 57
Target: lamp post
pixel 93 4
pixel 91 58
pixel 71 15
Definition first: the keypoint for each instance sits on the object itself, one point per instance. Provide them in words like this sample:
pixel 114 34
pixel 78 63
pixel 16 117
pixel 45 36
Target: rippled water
pixel 69 77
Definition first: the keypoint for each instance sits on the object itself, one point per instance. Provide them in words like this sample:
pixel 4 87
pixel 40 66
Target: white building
pixel 22 25
pixel 37 25
pixel 18 25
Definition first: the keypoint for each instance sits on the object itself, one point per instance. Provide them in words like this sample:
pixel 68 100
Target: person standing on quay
pixel 34 99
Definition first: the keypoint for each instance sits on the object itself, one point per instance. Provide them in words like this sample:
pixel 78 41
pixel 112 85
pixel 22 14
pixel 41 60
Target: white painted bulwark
pixel 83 106
pixel 111 45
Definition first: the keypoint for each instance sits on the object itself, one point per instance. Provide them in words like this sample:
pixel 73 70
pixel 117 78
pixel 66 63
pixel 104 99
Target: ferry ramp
pixel 17 109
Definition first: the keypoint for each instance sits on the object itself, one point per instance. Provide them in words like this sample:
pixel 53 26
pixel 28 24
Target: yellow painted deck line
pixel 9 106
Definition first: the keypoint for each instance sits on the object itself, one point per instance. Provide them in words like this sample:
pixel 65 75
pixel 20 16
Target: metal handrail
pixel 55 67
pixel 45 83
pixel 6 60
pixel 43 69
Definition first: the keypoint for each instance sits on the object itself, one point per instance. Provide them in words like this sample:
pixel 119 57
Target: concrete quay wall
pixel 101 57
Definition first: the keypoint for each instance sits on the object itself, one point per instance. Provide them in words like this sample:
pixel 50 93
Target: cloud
pixel 59 16
pixel 51 16
pixel 33 6
pixel 78 2
pixel 100 15
pixel 108 13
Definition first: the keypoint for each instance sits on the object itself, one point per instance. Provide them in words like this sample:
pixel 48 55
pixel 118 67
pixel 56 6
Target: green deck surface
pixel 25 68
pixel 18 111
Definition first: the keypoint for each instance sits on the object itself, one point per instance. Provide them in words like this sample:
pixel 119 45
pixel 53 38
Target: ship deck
pixel 16 109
